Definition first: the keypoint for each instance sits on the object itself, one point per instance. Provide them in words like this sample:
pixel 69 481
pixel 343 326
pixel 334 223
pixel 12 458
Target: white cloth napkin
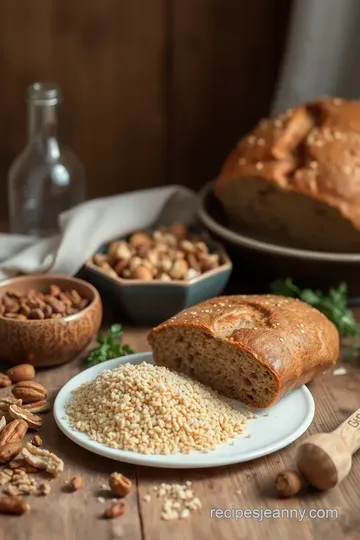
pixel 84 228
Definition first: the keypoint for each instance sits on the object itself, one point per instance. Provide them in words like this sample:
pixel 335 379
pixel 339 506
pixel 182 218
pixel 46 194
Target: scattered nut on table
pixel 76 483
pixel 21 372
pixel 115 510
pixel 119 484
pixel 288 483
pixel 163 254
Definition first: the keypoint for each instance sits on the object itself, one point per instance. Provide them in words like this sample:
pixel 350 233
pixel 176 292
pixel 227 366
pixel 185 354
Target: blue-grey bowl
pixel 152 302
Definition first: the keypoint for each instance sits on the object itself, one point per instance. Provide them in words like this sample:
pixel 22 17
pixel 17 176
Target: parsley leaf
pixel 333 304
pixel 109 346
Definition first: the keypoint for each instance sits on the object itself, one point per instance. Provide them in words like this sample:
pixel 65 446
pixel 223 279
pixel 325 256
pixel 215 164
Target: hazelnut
pixel 166 263
pixel 179 254
pixel 158 235
pixel 139 239
pixel 201 247
pixel 112 248
pixel 120 266
pixel 143 250
pixel 108 270
pixel 141 272
pixel 76 483
pixel 134 262
pixel 170 240
pixel 119 251
pixel 193 262
pixel 162 248
pixel 147 263
pixel 209 262
pixel 99 259
pixel 191 274
pixel 187 246
pixel 179 269
pixel 153 257
pixel 179 229
pixel 288 483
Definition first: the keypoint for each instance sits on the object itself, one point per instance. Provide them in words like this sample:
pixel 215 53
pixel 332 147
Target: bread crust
pixel 292 339
pixel 312 150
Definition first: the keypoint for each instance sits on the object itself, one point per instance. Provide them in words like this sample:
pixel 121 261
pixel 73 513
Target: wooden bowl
pixel 49 342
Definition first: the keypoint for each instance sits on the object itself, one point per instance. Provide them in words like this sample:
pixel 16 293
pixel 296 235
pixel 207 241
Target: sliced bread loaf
pixel 296 178
pixel 251 348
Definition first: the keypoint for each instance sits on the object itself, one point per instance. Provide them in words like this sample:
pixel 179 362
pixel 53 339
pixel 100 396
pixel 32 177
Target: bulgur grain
pixel 149 409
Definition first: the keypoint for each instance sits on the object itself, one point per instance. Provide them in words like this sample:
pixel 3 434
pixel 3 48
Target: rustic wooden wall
pixel 156 91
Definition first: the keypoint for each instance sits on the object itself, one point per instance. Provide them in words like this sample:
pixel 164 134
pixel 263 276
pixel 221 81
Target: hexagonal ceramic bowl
pixel 152 302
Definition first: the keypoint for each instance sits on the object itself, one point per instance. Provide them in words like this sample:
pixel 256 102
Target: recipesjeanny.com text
pixel 262 513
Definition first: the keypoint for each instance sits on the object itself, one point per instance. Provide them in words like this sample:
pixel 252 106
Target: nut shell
pixel 29 391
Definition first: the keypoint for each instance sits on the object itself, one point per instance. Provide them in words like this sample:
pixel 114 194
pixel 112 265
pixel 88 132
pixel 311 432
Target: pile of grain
pixel 149 409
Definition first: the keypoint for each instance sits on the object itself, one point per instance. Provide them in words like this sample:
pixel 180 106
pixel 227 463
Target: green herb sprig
pixel 109 346
pixel 333 303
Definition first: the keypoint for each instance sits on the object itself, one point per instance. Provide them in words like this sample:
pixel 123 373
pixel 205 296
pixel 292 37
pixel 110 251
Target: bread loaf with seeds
pixel 252 348
pixel 295 179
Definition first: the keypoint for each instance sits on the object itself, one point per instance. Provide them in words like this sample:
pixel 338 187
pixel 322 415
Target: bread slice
pixel 251 348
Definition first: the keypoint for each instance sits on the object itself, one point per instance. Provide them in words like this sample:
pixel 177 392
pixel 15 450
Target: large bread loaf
pixel 252 348
pixel 296 177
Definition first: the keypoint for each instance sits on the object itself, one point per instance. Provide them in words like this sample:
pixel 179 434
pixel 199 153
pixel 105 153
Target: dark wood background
pixel 156 91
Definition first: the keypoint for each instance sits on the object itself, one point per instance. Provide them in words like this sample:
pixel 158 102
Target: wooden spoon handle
pixel 349 431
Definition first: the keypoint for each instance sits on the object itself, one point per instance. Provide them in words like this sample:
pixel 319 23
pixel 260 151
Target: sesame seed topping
pixel 259 166
pixel 337 101
pixel 261 142
pixel 251 139
pixel 337 135
pixel 242 161
pixel 302 331
pixel 314 165
pixel 281 339
pixel 278 123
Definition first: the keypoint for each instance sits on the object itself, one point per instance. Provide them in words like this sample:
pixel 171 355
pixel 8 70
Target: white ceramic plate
pixel 286 421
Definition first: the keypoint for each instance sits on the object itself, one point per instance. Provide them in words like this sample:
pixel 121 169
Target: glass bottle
pixel 47 177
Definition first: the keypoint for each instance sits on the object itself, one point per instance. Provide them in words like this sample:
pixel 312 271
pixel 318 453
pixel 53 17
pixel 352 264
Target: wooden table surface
pixel 64 515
